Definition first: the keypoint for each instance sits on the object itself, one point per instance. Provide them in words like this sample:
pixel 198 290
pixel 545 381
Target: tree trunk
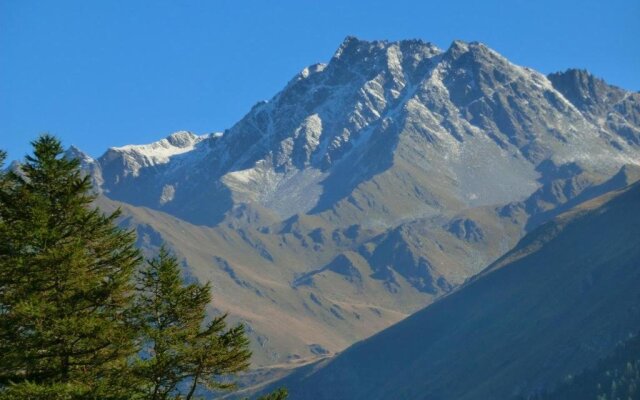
pixel 193 385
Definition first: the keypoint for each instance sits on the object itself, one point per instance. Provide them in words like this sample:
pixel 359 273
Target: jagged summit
pixel 351 40
pixel 353 46
pixel 372 184
pixel 75 152
pixel 607 106
pixel 380 107
pixel 458 47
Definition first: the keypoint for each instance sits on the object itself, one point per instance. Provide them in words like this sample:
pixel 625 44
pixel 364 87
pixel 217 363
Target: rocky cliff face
pixel 372 184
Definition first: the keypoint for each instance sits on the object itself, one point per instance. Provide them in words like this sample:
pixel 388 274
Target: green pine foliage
pixel 182 354
pixel 65 281
pixel 280 394
pixel 81 316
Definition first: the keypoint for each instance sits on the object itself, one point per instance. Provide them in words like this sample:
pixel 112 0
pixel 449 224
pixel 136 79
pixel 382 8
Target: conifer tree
pixel 65 283
pixel 75 322
pixel 279 394
pixel 183 354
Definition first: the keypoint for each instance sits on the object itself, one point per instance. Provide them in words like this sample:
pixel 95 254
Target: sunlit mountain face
pixel 371 185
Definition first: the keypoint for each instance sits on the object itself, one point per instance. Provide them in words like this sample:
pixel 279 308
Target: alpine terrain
pixel 371 186
pixel 561 300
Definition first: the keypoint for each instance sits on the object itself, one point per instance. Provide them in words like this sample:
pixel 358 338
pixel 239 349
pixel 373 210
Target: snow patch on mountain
pixel 159 152
pixel 476 124
pixel 176 143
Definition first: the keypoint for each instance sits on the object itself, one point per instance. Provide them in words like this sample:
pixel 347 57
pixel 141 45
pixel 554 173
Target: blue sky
pixel 108 73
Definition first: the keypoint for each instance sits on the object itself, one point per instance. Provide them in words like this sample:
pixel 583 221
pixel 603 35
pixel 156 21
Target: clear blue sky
pixel 114 72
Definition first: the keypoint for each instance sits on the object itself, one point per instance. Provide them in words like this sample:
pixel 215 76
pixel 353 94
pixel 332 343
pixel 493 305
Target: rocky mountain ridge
pixel 371 185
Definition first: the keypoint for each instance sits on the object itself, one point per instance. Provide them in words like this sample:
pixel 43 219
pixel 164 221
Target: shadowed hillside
pixel 559 301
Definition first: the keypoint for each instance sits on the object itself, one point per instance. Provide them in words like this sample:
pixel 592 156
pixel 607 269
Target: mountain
pixel 393 114
pixel 371 185
pixel 554 305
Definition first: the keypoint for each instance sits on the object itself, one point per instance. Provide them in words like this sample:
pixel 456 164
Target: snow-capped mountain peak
pixel 377 106
pixel 388 174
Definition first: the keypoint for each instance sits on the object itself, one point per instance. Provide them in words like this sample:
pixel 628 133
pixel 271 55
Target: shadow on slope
pixel 556 303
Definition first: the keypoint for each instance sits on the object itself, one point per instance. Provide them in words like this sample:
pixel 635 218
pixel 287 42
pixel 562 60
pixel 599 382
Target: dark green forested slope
pixel 562 299
pixel 614 377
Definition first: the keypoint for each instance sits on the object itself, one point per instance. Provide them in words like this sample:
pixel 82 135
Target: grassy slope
pixel 256 264
pixel 558 302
